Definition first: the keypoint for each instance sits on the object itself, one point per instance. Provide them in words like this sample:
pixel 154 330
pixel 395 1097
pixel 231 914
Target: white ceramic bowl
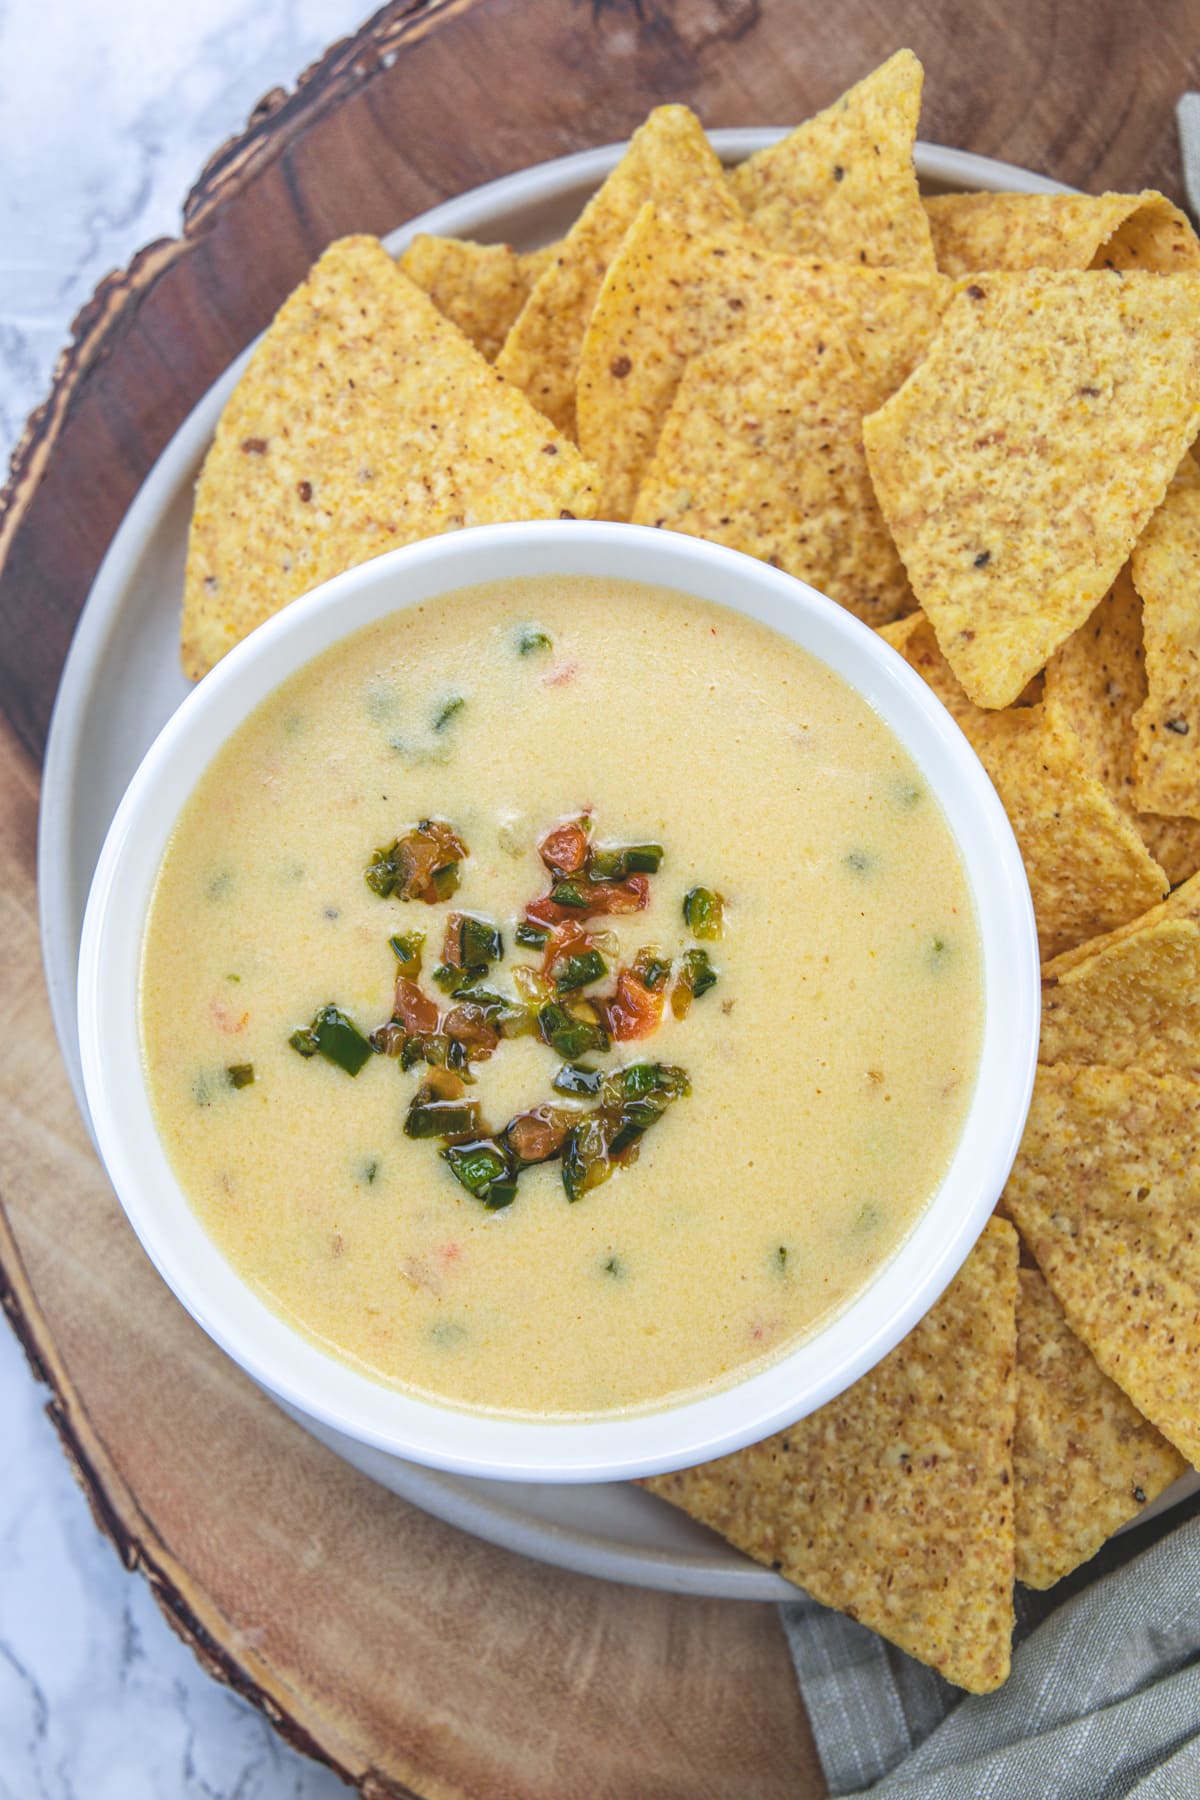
pixel 292 1367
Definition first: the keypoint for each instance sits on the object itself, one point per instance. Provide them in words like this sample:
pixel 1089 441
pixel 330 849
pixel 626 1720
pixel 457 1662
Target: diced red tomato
pixel 415 1009
pixel 564 850
pixel 633 1011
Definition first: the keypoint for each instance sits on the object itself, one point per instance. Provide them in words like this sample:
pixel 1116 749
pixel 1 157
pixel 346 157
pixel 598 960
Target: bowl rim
pixel 290 1365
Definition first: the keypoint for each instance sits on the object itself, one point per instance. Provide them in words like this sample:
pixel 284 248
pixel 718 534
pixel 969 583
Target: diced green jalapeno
pixel 445 880
pixel 447 710
pixel 585 1159
pixel 534 937
pixel 531 640
pixel 428 1118
pixel 479 941
pixel 704 911
pixel 240 1074
pixel 336 1038
pixel 569 893
pixel 484 1170
pixel 612 862
pixel 578 971
pixel 577 1078
pixel 569 1036
pixel 407 951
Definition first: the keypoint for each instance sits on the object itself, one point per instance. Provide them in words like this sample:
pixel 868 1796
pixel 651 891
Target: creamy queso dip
pixel 830 1066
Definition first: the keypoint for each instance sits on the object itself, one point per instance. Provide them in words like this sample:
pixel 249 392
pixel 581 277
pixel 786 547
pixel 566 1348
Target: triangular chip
pixel 1084 1458
pixel 894 1502
pixel 669 160
pixel 1106 1192
pixel 1097 681
pixel 1182 903
pixel 1088 869
pixel 481 287
pixel 1135 1003
pixel 1019 463
pixel 843 185
pixel 762 451
pixel 973 233
pixel 672 294
pixel 365 420
pixel 1166 573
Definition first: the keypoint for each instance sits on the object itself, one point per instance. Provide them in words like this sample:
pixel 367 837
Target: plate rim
pixel 457 1500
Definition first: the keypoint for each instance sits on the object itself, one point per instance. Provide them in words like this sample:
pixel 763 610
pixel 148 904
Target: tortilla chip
pixel 1135 1003
pixel 365 420
pixel 894 1502
pixel 673 294
pixel 669 160
pixel 1182 903
pixel 973 233
pixel 1088 869
pixel 481 287
pixel 1084 1458
pixel 843 185
pixel 762 451
pixel 1106 1192
pixel 1097 681
pixel 1166 573
pixel 1020 462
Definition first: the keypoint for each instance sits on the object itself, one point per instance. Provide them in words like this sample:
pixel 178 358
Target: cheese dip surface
pixel 614 769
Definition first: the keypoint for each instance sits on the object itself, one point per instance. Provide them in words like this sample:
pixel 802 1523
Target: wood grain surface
pixel 414 1659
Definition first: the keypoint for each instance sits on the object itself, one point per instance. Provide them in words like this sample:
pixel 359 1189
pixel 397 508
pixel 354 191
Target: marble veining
pixel 107 115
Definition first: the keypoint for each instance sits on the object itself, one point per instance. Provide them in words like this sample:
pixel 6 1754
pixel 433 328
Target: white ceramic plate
pixel 121 683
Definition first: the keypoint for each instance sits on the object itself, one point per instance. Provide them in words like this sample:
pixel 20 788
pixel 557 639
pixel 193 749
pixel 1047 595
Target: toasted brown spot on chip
pixel 894 1503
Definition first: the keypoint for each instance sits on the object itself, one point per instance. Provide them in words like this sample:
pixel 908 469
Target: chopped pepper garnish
pixel 612 862
pixel 421 865
pixel 632 1100
pixel 407 951
pixel 532 640
pixel 694 978
pixel 575 972
pixel 534 937
pixel 336 1038
pixel 651 968
pixel 565 849
pixel 486 1171
pixel 447 710
pixel 539 1135
pixel 570 1036
pixel 240 1074
pixel 704 911
pixel 577 1078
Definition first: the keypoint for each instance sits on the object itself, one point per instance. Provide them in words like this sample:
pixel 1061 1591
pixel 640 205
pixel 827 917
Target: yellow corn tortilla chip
pixel 973 233
pixel 1088 869
pixel 762 451
pixel 1182 903
pixel 365 420
pixel 843 184
pixel 1097 681
pixel 481 287
pixel 669 160
pixel 1020 462
pixel 894 1502
pixel 1135 1003
pixel 1106 1192
pixel 1084 1458
pixel 1166 573
pixel 672 294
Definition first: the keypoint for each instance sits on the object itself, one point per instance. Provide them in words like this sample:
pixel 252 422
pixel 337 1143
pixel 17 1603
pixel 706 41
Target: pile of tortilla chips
pixel 967 419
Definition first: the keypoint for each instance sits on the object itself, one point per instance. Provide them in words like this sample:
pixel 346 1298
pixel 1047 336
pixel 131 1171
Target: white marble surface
pixel 107 113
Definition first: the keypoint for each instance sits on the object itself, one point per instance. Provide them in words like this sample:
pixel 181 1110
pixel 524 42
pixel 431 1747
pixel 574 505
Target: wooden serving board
pixel 412 1658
